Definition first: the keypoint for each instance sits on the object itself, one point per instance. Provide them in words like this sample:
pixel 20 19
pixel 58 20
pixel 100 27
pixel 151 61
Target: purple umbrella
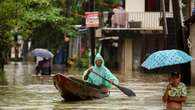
pixel 44 53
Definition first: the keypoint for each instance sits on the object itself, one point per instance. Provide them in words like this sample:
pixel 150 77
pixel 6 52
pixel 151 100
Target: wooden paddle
pixel 125 90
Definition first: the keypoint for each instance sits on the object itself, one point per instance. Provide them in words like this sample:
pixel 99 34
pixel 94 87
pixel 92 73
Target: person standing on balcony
pixel 119 16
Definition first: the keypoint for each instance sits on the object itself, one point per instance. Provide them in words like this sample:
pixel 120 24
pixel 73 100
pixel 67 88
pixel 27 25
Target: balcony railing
pixel 134 20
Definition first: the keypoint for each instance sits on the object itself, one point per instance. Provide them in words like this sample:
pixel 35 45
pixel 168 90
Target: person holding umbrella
pixel 44 66
pixel 175 93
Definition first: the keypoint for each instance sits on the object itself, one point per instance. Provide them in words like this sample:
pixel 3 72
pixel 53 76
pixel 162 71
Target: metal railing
pixel 145 20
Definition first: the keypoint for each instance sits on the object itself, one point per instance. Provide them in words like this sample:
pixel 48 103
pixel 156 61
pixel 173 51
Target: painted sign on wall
pixel 91 19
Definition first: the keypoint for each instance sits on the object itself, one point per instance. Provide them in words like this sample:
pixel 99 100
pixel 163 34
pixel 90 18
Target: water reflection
pixel 20 89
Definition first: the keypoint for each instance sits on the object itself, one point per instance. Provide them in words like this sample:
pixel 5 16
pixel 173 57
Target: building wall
pixel 135 5
pixel 139 6
pixel 192 39
pixel 170 6
pixel 187 9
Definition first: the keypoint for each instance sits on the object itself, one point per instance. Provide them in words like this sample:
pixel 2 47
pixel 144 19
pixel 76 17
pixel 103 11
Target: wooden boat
pixel 73 89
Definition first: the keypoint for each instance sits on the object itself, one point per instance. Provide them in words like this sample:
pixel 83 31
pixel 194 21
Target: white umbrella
pixel 44 53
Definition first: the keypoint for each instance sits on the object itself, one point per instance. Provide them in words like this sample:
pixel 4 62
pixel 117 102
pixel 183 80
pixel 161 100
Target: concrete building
pixel 142 35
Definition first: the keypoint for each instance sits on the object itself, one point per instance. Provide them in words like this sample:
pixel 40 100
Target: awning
pixel 109 38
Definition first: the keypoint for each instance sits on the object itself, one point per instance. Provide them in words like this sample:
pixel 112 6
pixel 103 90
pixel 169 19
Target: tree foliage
pixel 39 12
pixel 8 21
pixel 24 16
pixel 47 20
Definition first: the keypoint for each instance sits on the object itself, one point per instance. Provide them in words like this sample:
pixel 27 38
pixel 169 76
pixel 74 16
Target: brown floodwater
pixel 20 89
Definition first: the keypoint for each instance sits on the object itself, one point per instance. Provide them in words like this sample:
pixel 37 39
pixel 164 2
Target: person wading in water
pixel 175 93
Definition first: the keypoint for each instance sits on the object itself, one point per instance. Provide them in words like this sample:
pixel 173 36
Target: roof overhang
pixel 109 38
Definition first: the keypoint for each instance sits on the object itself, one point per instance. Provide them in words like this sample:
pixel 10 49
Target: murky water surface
pixel 20 89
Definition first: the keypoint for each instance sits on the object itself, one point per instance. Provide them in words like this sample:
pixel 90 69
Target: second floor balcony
pixel 134 20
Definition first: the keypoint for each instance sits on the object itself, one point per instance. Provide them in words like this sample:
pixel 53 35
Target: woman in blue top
pixel 99 68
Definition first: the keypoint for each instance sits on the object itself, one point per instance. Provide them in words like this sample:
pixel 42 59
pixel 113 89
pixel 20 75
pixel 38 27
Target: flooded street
pixel 20 89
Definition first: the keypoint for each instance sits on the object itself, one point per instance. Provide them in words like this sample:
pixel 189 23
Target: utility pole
pixel 165 29
pixel 164 18
pixel 181 40
pixel 92 33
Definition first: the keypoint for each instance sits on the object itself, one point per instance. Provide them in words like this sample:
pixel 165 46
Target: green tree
pixel 8 16
pixel 43 21
pixel 23 17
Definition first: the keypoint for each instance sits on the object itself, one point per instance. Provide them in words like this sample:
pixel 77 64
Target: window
pixel 154 5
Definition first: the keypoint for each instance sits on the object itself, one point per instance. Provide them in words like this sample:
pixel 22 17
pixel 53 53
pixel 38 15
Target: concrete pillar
pixel 192 39
pixel 126 57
